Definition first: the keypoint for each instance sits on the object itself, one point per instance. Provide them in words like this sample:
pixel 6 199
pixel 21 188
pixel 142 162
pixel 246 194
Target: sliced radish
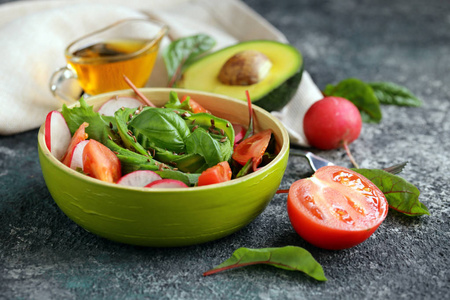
pixel 167 183
pixel 139 178
pixel 77 156
pixel 57 134
pixel 114 104
pixel 239 133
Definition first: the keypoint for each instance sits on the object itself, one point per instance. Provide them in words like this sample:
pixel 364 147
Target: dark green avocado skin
pixel 280 96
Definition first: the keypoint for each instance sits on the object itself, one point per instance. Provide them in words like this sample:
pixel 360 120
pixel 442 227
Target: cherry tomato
pixel 252 148
pixel 78 136
pixel 100 162
pixel 217 174
pixel 195 106
pixel 336 208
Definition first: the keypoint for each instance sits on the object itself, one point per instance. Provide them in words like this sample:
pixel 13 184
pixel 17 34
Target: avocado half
pixel 272 93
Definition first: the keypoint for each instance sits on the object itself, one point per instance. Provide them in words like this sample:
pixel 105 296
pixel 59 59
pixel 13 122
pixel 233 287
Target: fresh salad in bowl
pixel 178 145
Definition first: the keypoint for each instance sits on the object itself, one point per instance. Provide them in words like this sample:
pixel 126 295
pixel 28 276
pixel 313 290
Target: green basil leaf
pixel 158 127
pixel 288 258
pixel 182 52
pixel 361 94
pixel 401 195
pixel 394 94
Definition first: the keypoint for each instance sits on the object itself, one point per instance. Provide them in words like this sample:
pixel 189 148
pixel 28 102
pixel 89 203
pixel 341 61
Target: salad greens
pixel 176 143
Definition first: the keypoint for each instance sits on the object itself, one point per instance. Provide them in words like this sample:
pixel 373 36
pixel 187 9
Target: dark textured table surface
pixel 44 255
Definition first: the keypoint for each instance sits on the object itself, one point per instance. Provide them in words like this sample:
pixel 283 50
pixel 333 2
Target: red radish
pixel 79 136
pixel 332 122
pixel 167 183
pixel 57 134
pixel 112 105
pixel 77 156
pixel 139 178
pixel 239 132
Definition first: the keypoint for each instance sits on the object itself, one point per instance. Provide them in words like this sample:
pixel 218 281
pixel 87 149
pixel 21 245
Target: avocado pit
pixel 247 67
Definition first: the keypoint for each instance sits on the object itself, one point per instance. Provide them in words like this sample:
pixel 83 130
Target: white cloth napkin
pixel 34 35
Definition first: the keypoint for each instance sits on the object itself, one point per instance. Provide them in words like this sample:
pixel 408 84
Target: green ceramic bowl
pixel 168 217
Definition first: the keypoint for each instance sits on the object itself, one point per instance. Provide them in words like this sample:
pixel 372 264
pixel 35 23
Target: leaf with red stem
pixel 288 258
pixel 140 95
pixel 251 128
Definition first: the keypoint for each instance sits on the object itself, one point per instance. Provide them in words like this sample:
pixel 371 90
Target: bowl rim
pixel 54 161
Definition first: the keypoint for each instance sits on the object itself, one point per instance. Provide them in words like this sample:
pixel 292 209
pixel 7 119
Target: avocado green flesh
pixel 271 93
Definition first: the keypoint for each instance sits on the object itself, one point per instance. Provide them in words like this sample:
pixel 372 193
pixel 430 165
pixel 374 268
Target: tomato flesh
pixel 216 174
pixel 100 162
pixel 252 147
pixel 79 136
pixel 336 208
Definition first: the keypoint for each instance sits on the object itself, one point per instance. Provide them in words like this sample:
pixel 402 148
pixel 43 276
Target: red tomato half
pixel 100 162
pixel 196 107
pixel 217 174
pixel 252 148
pixel 336 208
pixel 79 136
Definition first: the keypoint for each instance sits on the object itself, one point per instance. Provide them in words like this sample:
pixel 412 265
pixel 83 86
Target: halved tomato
pixel 217 174
pixel 336 208
pixel 79 136
pixel 100 162
pixel 252 147
pixel 195 106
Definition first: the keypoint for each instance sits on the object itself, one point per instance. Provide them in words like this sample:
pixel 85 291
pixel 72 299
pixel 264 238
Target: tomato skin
pixel 79 136
pixel 329 214
pixel 216 174
pixel 100 162
pixel 252 147
pixel 196 107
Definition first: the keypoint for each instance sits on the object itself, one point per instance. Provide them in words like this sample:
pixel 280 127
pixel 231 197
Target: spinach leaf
pixel 175 103
pixel 391 93
pixel 289 258
pixel 99 126
pixel 361 94
pixel 157 127
pixel 123 117
pixel 182 52
pixel 401 195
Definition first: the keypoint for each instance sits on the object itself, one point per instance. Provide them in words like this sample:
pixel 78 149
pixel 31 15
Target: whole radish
pixel 332 122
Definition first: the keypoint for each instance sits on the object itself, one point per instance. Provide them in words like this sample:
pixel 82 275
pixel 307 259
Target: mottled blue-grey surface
pixel 44 255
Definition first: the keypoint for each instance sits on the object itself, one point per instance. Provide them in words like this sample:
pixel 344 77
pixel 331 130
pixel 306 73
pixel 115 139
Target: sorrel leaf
pixel 401 195
pixel 288 258
pixel 182 52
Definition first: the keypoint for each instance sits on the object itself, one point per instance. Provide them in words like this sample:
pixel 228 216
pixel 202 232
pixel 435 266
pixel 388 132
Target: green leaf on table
pixel 394 94
pixel 288 258
pixel 182 52
pixel 401 195
pixel 361 94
